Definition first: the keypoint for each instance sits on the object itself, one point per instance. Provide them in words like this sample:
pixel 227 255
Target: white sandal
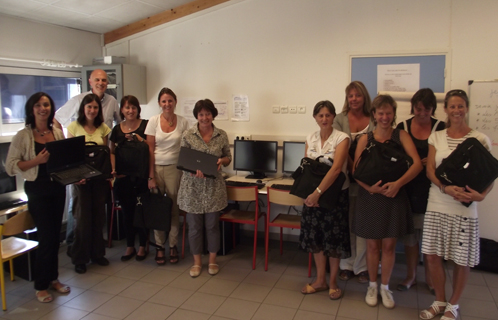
pixel 437 307
pixel 453 308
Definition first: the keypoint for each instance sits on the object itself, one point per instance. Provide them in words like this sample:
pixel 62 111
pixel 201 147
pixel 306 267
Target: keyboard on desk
pixel 244 184
pixel 282 186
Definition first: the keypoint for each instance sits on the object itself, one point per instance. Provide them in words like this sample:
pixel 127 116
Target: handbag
pixel 153 211
pixel 470 164
pixel 382 161
pixel 308 177
pixel 99 157
pixel 132 158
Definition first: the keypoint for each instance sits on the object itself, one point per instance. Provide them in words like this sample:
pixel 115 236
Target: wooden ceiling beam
pixel 160 18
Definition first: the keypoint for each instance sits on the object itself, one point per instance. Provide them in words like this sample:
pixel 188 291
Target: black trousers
pixel 126 190
pixel 89 212
pixel 46 200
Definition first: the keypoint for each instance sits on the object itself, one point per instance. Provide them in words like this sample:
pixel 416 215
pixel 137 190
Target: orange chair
pixel 282 220
pixel 244 217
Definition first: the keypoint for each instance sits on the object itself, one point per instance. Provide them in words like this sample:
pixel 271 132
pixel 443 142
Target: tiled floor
pixel 142 290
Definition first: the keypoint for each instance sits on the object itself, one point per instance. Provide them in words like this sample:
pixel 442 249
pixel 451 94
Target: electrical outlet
pixel 276 109
pixel 292 109
pixel 245 137
pixel 301 109
pixel 284 109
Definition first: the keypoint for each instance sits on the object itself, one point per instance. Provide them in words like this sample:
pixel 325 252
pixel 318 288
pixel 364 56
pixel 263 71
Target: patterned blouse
pixel 205 195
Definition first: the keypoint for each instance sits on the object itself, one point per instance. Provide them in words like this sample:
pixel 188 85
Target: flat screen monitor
pixel 259 157
pixel 292 155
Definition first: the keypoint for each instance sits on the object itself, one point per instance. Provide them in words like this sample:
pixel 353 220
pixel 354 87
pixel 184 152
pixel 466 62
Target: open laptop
pixel 66 163
pixel 192 160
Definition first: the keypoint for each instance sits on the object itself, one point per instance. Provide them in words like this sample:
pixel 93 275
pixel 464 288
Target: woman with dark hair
pixel 419 127
pixel 89 196
pixel 27 156
pixel 383 211
pixel 354 120
pixel 203 198
pixel 325 232
pixel 128 187
pixel 451 230
pixel 164 132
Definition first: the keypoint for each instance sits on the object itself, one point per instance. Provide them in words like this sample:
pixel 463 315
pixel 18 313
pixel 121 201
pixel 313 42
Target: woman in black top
pixel 127 187
pixel 419 127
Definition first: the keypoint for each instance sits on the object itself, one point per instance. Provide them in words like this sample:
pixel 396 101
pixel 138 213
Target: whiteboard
pixel 483 117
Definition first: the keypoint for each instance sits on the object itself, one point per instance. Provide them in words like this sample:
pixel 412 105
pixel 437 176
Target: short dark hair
pixel 324 104
pixel 427 97
pixel 28 109
pixel 99 119
pixel 381 100
pixel 207 105
pixel 166 91
pixel 132 100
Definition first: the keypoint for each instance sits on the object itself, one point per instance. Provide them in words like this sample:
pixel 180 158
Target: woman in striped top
pixel 451 230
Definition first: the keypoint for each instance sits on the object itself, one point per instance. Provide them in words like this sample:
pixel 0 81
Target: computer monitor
pixel 292 155
pixel 259 157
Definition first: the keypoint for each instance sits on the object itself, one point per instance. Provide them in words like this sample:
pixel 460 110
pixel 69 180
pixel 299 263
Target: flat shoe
pixel 80 268
pixel 60 287
pixel 213 269
pixel 405 287
pixel 44 299
pixel 195 271
pixel 308 289
pixel 335 294
pixel 129 256
pixel 345 275
pixel 141 258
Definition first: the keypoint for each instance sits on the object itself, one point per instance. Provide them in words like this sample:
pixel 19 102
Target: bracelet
pixel 442 187
pixel 318 190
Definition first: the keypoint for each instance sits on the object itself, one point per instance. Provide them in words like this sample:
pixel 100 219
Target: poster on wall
pixel 398 77
pixel 240 111
pixel 188 110
pixel 222 107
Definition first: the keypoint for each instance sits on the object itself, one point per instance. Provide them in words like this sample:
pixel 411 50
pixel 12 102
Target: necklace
pixel 42 133
pixel 170 123
pixel 130 127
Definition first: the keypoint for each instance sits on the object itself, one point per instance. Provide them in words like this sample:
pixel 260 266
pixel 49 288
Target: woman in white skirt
pixel 451 230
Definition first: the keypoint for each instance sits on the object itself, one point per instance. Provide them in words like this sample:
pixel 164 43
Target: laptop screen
pixel 65 154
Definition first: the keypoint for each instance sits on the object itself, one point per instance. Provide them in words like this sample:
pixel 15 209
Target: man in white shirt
pixel 69 112
pixel 98 83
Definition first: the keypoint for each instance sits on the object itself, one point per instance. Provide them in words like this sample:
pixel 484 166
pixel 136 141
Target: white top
pixel 69 111
pixel 328 150
pixel 167 147
pixel 443 203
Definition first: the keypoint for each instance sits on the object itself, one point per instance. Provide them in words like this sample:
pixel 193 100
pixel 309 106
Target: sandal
pixel 453 308
pixel 161 261
pixel 335 294
pixel 363 277
pixel 45 298
pixel 173 255
pixel 308 289
pixel 345 275
pixel 60 287
pixel 437 307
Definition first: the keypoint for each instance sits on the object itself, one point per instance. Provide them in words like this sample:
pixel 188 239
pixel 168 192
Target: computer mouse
pixel 259 181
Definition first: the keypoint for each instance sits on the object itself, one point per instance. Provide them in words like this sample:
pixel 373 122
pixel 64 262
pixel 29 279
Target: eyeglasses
pixel 456 92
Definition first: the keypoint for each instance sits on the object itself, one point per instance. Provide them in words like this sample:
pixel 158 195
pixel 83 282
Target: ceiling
pixel 99 16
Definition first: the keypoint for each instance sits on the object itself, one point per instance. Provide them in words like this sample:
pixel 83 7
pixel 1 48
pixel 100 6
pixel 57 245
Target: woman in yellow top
pixel 90 196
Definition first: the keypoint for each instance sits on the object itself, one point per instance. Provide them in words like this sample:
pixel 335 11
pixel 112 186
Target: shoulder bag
pixel 153 211
pixel 308 177
pixel 382 161
pixel 470 164
pixel 132 158
pixel 99 157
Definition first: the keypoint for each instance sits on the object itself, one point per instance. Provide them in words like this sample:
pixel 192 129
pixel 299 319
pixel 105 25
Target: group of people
pixel 92 114
pixel 363 228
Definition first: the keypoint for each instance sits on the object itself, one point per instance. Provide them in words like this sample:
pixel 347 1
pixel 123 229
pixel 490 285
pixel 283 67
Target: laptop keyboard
pixel 73 172
pixel 282 186
pixel 244 184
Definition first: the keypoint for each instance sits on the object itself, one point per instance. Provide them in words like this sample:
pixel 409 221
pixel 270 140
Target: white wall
pixel 296 52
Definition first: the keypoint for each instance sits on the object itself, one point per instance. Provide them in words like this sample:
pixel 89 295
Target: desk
pixel 268 181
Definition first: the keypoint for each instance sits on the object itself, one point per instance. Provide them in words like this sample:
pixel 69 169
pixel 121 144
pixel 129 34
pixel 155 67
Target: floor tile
pixel 233 273
pixel 237 309
pixel 60 298
pixel 160 276
pixel 477 293
pixel 65 313
pixel 86 280
pixel 151 311
pixel 141 291
pixel 320 303
pixel 118 307
pixel 397 313
pixel 478 308
pixel 284 298
pixel 134 271
pixel 181 314
pixel 262 278
pixel 203 303
pixel 30 310
pixel 94 316
pixel 113 285
pixel 219 287
pixel 171 296
pixel 89 300
pixel 307 315
pixel 271 312
pixel 185 281
pixel 251 292
pixel 291 282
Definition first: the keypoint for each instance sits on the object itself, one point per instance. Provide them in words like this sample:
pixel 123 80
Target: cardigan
pixel 22 148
